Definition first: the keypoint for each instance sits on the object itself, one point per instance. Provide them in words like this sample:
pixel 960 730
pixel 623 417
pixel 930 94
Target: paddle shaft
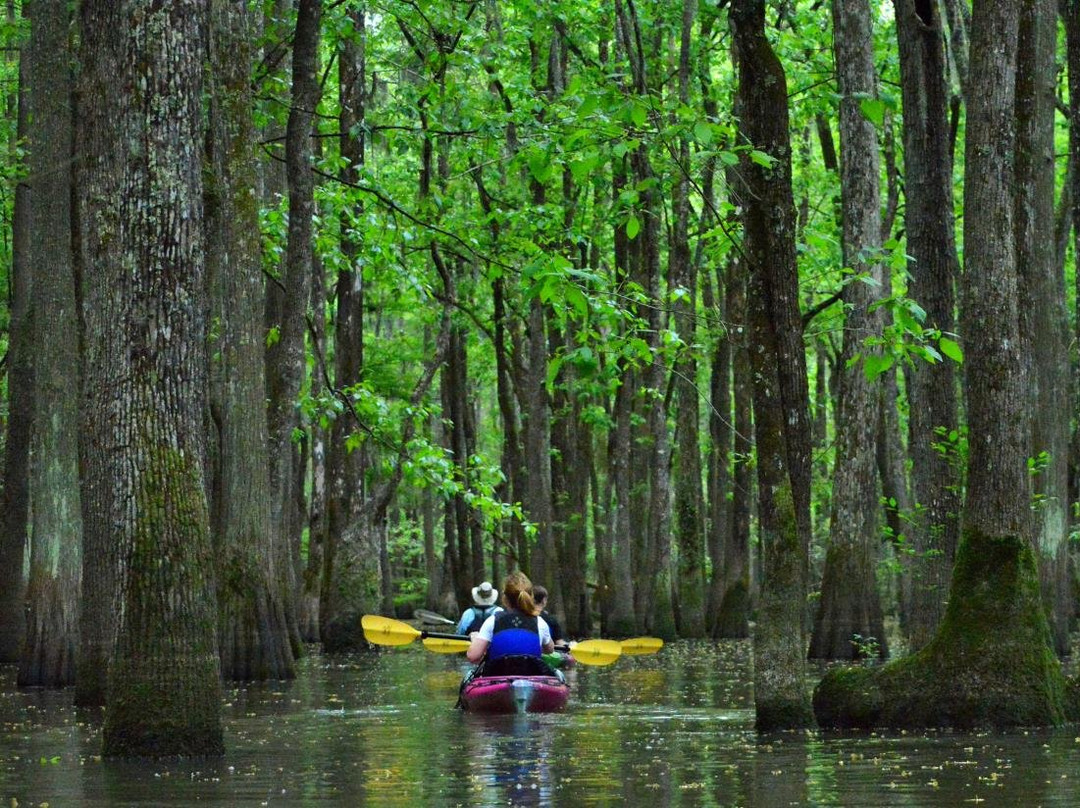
pixel 442 635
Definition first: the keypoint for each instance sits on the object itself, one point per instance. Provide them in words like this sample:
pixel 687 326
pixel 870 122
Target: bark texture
pixel 254 639
pixel 990 662
pixel 849 621
pixel 48 656
pixel 1044 320
pixel 144 242
pixel 689 503
pixel 285 359
pixel 99 185
pixel 345 466
pixel 781 400
pixel 15 497
pixel 932 389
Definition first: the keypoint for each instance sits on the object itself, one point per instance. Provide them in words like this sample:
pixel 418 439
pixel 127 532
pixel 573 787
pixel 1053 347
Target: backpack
pixel 479 616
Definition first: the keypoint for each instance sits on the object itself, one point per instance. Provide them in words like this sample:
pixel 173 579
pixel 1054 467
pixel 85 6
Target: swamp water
pixel 380 730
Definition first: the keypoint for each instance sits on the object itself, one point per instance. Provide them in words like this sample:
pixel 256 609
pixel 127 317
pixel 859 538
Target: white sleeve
pixel 545 631
pixel 487 631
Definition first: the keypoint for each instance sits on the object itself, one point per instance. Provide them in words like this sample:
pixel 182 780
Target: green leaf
pixel 553 370
pixel 873 109
pixel 952 350
pixel 703 132
pixel 762 159
pixel 581 169
pixel 576 298
pixel 633 227
pixel 639 115
pixel 540 167
pixel 874 366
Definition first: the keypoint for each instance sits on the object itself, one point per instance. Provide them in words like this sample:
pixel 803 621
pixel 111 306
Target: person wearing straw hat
pixel 484 597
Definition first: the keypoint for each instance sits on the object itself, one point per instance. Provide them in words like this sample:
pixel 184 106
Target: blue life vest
pixel 514 634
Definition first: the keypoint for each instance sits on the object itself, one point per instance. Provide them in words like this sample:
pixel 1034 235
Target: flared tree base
pixel 990 664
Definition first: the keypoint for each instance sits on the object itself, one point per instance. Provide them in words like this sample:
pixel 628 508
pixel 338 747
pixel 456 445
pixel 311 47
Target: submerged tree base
pixel 990 663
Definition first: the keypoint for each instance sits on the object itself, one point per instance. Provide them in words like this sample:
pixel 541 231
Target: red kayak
pixel 514 694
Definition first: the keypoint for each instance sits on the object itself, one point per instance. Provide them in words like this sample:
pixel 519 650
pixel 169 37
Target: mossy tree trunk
pixel 990 662
pixel 254 638
pixel 48 656
pixel 15 497
pixel 849 613
pixel 932 420
pixel 1044 320
pixel 164 692
pixel 781 399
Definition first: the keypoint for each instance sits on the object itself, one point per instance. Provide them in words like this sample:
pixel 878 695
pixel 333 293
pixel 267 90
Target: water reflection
pixel 380 730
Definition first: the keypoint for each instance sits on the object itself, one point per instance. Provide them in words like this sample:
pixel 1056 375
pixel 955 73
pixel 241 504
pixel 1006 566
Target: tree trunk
pixel 1072 34
pixel 1044 320
pixel 285 360
pixel 849 622
pixel 781 400
pixel 253 633
pixel 990 662
pixel 536 411
pixel 345 465
pixel 15 497
pixel 933 269
pixel 689 503
pixel 734 615
pixel 98 131
pixel 619 597
pixel 48 656
pixel 141 205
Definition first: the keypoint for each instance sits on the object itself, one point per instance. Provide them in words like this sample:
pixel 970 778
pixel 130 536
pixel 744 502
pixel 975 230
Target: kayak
pixel 514 684
pixel 514 694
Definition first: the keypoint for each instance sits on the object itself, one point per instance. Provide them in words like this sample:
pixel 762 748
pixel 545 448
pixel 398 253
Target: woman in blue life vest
pixel 517 631
pixel 484 597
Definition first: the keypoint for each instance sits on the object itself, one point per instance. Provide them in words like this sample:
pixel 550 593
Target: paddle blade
pixel 385 631
pixel 596 652
pixel 424 616
pixel 440 646
pixel 641 645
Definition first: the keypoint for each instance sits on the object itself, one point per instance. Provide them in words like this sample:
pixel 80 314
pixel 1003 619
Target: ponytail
pixel 517 594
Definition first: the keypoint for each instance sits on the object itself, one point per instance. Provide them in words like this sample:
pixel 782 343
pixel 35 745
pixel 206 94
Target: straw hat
pixel 485 594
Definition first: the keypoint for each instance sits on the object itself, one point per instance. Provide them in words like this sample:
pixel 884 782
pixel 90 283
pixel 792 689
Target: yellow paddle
pixel 444 646
pixel 596 652
pixel 387 631
pixel 641 645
